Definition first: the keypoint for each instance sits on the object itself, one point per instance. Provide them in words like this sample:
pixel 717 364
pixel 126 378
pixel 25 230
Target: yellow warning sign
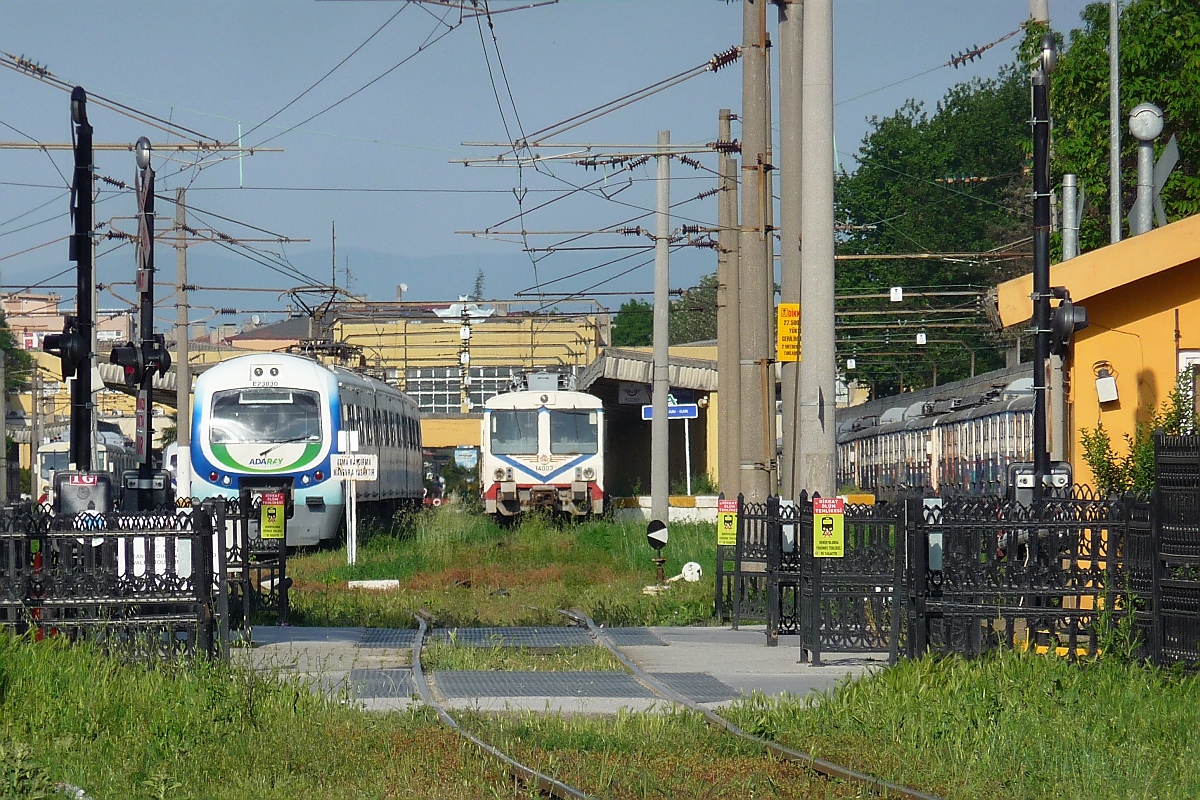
pixel 829 530
pixel 274 511
pixel 727 523
pixel 787 332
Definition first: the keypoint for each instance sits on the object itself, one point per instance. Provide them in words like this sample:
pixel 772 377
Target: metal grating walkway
pixel 633 637
pixel 699 687
pixel 455 683
pixel 387 637
pixel 516 637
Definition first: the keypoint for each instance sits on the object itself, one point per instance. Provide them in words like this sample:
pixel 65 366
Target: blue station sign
pixel 680 411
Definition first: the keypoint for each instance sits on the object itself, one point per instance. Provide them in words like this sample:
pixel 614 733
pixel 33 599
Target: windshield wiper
pixel 277 445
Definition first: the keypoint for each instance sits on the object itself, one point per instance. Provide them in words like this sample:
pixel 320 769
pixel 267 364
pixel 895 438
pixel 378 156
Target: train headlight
pixel 274 372
pixel 258 372
pixel 305 480
pixel 498 474
pixel 589 473
pixel 226 480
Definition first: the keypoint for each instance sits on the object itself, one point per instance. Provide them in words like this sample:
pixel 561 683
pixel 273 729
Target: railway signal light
pixel 141 360
pixel 128 357
pixel 1065 320
pixel 70 346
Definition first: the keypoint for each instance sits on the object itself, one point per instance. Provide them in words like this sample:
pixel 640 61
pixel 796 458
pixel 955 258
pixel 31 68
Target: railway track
pixel 529 775
pixel 819 765
pixel 555 788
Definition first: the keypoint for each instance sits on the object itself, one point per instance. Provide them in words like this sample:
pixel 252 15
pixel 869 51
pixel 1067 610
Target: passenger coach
pixel 270 418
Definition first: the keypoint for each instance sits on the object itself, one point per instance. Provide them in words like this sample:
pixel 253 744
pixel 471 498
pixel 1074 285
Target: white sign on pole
pixel 348 441
pixel 354 467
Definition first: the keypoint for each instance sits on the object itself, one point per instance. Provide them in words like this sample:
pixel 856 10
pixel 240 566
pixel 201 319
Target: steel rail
pixel 818 765
pixel 544 783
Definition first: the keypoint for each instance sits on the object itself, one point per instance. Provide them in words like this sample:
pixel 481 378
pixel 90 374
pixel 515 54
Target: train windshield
pixel 514 433
pixel 53 461
pixel 265 415
pixel 573 432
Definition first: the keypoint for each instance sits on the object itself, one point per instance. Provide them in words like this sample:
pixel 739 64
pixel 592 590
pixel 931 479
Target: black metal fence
pixel 142 582
pixel 155 584
pixel 970 574
pixel 1170 568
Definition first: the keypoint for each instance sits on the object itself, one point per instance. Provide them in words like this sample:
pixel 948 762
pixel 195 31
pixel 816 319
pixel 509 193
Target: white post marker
pixel 687 453
pixel 350 468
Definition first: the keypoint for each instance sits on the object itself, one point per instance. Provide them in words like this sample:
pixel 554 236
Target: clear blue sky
pixel 209 65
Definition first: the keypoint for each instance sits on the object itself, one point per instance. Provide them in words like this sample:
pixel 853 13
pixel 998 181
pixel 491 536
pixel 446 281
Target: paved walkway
pixel 712 666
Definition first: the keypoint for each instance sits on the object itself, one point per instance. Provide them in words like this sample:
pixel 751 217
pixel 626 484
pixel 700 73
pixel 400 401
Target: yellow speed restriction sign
pixel 274 511
pixel 829 530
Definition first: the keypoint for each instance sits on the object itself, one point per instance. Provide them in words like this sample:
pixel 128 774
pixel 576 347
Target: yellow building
pixel 1143 301
pixel 420 348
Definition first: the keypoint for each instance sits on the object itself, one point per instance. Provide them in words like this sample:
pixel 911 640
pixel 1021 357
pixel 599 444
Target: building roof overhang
pixel 1107 268
pixel 622 364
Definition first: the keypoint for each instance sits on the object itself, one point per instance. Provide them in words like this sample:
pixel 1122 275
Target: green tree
pixel 948 181
pixel 694 314
pixel 633 325
pixel 477 290
pixel 1160 64
pixel 18 364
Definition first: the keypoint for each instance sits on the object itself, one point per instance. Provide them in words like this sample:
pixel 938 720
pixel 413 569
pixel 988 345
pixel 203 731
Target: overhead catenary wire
pixel 24 66
pixel 332 70
pixel 713 64
pixel 66 181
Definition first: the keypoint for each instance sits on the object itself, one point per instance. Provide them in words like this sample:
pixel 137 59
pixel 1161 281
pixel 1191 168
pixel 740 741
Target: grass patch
pixel 468 571
pixel 1009 725
pixel 202 730
pixel 448 655
pixel 654 754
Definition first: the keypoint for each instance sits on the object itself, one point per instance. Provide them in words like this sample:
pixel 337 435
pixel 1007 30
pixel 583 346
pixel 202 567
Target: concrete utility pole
pixel 1114 121
pixel 791 33
pixel 755 266
pixel 659 442
pixel 818 369
pixel 183 372
pixel 729 378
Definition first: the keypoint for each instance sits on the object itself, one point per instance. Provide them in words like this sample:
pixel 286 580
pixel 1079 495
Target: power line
pixel 429 42
pixel 354 52
pixel 24 66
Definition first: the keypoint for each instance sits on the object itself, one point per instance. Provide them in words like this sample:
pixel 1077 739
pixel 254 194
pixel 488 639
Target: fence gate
pixel 851 604
pixel 742 592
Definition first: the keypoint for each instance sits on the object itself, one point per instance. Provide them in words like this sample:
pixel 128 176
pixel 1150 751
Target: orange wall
pixel 451 431
pixel 1133 328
